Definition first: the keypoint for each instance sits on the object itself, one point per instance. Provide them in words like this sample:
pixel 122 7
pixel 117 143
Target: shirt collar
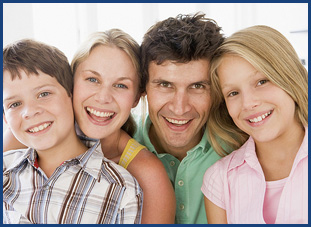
pixel 91 160
pixel 303 150
pixel 203 146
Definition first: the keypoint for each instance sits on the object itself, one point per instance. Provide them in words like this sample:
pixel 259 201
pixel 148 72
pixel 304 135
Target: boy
pixel 58 179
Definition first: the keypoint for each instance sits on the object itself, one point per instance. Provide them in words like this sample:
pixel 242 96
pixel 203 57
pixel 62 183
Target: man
pixel 175 62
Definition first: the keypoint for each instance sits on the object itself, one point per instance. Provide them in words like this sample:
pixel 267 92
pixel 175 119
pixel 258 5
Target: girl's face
pixel 105 90
pixel 256 105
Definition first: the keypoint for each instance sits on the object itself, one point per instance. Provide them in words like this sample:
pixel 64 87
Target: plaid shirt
pixel 87 189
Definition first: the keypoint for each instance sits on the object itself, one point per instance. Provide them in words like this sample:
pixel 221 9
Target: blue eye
pixel 92 79
pixel 15 104
pixel 44 94
pixel 120 86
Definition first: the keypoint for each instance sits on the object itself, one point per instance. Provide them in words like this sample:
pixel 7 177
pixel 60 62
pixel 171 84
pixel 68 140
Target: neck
pixel 277 157
pixel 69 148
pixel 114 145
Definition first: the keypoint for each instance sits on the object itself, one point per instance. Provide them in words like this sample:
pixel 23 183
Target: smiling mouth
pixel 260 118
pixel 39 127
pixel 99 114
pixel 177 122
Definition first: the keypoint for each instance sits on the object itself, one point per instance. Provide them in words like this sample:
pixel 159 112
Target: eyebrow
pixel 197 82
pixel 35 89
pixel 98 74
pixel 254 73
pixel 208 82
pixel 9 98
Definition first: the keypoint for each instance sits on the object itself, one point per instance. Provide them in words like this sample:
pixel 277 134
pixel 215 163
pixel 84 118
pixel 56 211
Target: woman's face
pixel 256 105
pixel 105 90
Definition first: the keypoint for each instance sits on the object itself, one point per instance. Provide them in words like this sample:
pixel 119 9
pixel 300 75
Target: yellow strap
pixel 131 150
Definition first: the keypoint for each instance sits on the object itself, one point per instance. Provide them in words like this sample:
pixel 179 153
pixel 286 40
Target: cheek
pixel 80 92
pixel 10 119
pixel 201 103
pixel 66 108
pixel 232 109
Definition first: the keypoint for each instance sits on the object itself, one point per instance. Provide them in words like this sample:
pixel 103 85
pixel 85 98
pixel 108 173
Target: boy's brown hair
pixel 30 56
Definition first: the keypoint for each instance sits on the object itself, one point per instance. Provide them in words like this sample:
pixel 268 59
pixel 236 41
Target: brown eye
pixel 261 82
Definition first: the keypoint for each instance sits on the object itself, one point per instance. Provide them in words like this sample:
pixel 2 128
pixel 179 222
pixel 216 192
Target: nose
pixel 103 95
pixel 179 104
pixel 31 109
pixel 250 101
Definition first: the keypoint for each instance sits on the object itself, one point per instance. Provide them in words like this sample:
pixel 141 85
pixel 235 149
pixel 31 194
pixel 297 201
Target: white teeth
pixel 39 128
pixel 176 122
pixel 98 113
pixel 260 118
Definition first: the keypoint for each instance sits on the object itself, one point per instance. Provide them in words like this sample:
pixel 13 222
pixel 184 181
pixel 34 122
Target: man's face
pixel 178 97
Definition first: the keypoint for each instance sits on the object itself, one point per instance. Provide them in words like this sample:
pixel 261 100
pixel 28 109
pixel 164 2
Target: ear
pixel 136 101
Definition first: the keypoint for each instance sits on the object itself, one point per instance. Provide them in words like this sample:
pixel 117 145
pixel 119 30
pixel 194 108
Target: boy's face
pixel 37 109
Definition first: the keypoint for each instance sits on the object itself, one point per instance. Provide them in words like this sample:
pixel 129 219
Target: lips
pixel 99 116
pixel 177 125
pixel 177 122
pixel 260 118
pixel 39 127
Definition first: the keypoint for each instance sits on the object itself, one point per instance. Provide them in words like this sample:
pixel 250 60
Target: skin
pixel 107 82
pixel 178 97
pixel 249 96
pixel 40 102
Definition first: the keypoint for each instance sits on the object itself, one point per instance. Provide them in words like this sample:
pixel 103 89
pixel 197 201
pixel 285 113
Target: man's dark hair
pixel 30 56
pixel 180 39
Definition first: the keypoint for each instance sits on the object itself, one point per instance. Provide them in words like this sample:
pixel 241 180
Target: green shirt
pixel 186 176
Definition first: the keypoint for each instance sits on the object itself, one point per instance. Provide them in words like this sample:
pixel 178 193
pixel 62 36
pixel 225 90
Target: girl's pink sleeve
pixel 213 184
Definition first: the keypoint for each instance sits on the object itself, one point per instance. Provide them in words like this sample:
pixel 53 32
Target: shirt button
pixel 181 206
pixel 172 163
pixel 180 183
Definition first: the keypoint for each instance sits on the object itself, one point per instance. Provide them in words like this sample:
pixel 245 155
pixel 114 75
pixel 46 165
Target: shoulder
pixel 13 157
pixel 146 167
pixel 147 161
pixel 220 168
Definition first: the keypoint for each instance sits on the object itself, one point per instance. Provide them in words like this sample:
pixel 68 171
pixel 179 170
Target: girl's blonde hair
pixel 269 52
pixel 122 40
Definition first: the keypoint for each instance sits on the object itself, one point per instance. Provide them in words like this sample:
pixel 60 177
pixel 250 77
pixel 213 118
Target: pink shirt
pixel 237 184
pixel 272 199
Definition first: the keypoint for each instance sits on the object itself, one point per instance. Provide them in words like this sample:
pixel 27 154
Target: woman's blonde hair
pixel 121 40
pixel 269 52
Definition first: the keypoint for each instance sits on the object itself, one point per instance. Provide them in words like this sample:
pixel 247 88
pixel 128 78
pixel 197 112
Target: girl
pixel 259 107
pixel 107 84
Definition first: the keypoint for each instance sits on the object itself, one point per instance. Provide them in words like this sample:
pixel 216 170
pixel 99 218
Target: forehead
pixel 192 71
pixel 234 65
pixel 108 60
pixel 27 82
